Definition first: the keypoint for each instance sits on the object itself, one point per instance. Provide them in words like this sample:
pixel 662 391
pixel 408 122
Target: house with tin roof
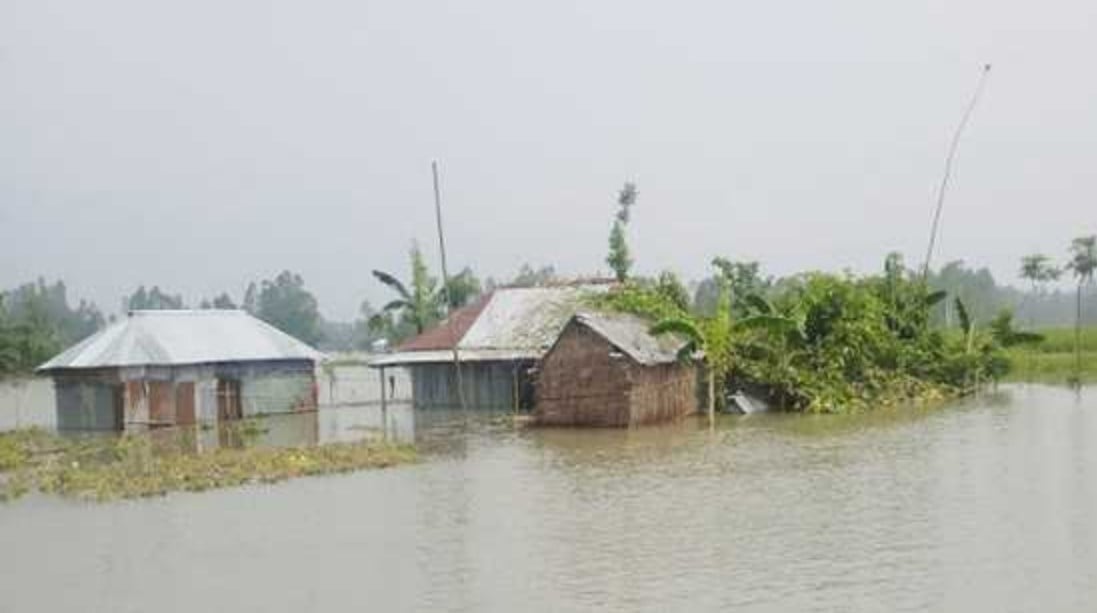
pixel 491 346
pixel 181 367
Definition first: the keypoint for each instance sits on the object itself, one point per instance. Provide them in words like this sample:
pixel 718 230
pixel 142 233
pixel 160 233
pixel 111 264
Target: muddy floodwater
pixel 986 505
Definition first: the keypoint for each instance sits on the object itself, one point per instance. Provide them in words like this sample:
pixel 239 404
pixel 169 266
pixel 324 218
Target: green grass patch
pixel 1045 367
pixel 137 465
pixel 1053 360
pixel 1061 340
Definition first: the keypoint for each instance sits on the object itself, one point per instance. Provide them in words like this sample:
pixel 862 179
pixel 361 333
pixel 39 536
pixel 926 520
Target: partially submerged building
pixel 608 370
pixel 491 345
pixel 163 368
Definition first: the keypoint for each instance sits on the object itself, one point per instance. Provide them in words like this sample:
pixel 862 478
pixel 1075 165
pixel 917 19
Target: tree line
pixel 36 319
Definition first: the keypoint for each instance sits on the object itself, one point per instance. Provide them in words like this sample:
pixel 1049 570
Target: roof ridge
pixel 147 312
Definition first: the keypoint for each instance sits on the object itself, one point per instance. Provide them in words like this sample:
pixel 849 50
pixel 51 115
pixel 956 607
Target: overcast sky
pixel 198 145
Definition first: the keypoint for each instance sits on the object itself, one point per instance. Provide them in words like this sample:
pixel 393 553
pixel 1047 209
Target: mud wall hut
pixel 180 367
pixel 607 370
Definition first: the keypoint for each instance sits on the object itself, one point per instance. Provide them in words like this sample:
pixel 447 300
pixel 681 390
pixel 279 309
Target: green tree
pixel 744 279
pixel 26 340
pixel 251 298
pixel 709 337
pixel 284 303
pixel 69 325
pixel 1038 270
pixel 528 276
pixel 976 287
pixel 671 289
pixel 619 258
pixel 464 287
pixel 1083 262
pixel 222 301
pixel 421 304
pixel 154 299
pixel 712 337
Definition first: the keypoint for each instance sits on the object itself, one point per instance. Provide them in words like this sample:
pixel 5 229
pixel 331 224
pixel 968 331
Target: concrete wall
pixel 585 381
pixel 264 393
pixel 350 384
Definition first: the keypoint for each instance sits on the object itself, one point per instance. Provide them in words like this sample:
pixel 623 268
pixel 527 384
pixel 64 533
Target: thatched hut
pixel 608 370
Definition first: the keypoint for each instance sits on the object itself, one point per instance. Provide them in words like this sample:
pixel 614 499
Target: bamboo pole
pixel 953 146
pixel 1078 335
pixel 445 284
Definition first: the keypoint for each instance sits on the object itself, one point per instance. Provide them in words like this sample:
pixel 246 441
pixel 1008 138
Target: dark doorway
pixel 118 405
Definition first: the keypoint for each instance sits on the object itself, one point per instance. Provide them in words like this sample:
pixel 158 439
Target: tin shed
pixel 497 340
pixel 178 367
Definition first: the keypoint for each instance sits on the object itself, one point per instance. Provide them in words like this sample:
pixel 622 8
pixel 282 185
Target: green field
pixel 1053 359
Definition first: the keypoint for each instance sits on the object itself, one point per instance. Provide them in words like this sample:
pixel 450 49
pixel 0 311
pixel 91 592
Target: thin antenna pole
pixel 953 146
pixel 445 283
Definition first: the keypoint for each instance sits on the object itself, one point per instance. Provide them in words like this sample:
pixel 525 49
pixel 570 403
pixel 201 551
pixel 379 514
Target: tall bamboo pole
pixel 953 146
pixel 445 284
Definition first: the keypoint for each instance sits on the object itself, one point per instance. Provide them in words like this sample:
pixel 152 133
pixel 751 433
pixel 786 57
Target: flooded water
pixel 988 505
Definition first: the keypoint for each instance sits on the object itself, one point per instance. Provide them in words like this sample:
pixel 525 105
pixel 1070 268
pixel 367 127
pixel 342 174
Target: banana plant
pixel 714 339
pixel 421 304
pixel 707 338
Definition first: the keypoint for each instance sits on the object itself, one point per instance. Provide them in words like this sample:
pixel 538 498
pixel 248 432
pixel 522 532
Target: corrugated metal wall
pixel 487 385
pixel 113 399
pixel 88 405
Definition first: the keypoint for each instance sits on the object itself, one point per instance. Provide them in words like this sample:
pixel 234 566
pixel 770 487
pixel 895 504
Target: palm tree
pixel 1038 270
pixel 1083 262
pixel 421 305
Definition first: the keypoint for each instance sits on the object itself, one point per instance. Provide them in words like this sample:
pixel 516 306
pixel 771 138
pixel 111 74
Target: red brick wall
pixel 580 384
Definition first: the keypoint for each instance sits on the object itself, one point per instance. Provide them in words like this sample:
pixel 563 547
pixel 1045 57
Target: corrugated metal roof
pixel 513 323
pixel 451 330
pixel 166 338
pixel 524 318
pixel 631 335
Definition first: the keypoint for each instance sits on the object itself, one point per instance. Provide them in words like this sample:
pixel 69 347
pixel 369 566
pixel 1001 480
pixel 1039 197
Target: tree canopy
pixel 284 303
pixel 619 258
pixel 153 299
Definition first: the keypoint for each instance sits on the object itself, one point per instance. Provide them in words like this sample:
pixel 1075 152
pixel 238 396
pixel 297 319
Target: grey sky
pixel 198 145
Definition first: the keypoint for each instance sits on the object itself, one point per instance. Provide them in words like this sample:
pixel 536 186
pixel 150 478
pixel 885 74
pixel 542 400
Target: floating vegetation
pixel 137 465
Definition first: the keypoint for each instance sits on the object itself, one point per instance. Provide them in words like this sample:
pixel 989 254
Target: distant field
pixel 1053 359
